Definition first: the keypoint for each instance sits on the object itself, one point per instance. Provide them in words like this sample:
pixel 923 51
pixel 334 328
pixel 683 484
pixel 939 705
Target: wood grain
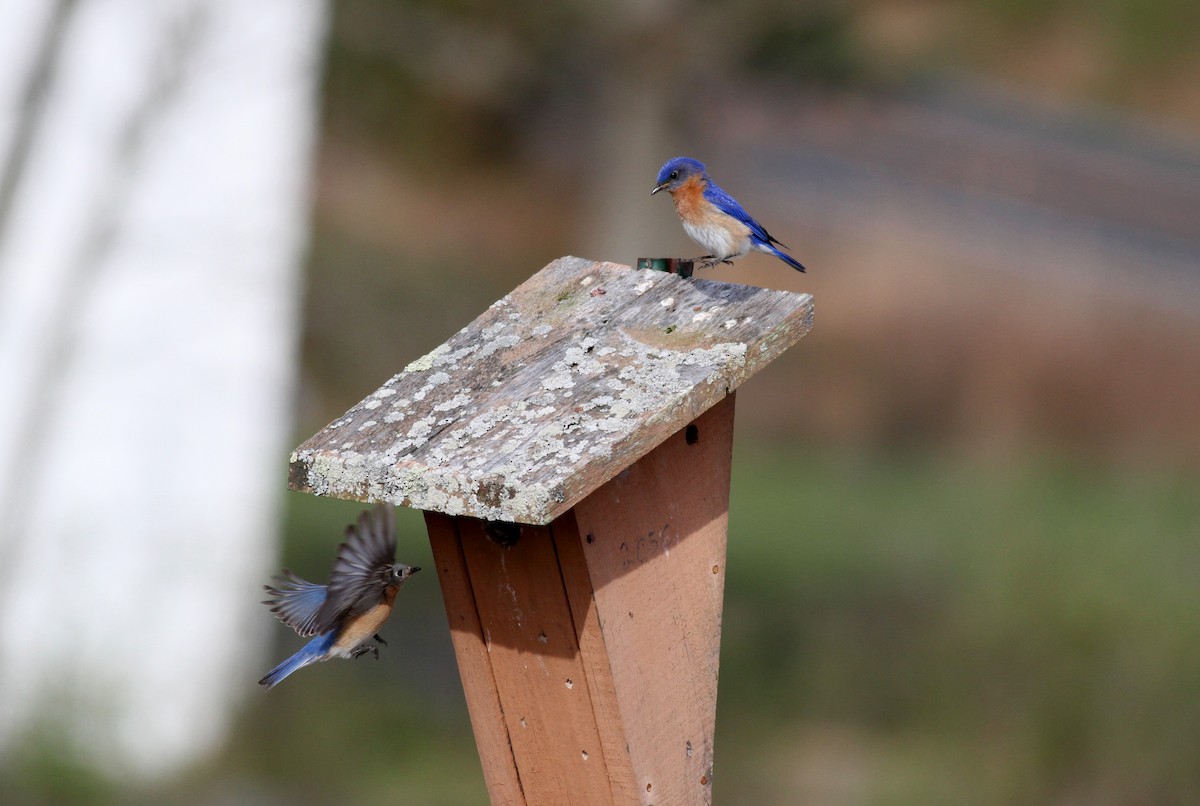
pixel 542 685
pixel 594 655
pixel 589 648
pixel 556 388
pixel 474 664
pixel 654 539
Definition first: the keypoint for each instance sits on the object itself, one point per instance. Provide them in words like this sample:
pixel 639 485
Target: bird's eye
pixel 674 175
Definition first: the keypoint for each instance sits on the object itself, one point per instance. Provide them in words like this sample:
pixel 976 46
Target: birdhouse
pixel 571 449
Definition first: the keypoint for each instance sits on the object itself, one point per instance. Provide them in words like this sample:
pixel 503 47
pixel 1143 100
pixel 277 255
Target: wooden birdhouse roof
pixel 552 391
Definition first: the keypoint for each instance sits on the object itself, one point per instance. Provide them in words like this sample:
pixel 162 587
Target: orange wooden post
pixel 571 450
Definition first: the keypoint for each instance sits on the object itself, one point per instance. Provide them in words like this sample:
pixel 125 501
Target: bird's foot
pixel 362 650
pixel 379 640
pixel 705 261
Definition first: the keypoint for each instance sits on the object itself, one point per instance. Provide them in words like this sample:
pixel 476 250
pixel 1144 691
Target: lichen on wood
pixel 553 390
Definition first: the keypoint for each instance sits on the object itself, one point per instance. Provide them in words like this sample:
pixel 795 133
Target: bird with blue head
pixel 713 218
pixel 345 615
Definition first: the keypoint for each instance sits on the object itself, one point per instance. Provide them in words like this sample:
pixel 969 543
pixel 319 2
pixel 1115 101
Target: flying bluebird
pixel 713 218
pixel 346 613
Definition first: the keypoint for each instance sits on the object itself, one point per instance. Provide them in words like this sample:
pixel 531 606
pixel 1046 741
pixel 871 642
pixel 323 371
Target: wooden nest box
pixel 571 451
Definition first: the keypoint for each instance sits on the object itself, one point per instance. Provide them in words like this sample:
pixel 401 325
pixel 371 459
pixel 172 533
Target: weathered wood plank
pixel 558 386
pixel 539 677
pixel 594 656
pixel 474 664
pixel 654 540
pixel 589 649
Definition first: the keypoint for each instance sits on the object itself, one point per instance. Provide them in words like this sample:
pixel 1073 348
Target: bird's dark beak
pixel 414 569
pixel 657 188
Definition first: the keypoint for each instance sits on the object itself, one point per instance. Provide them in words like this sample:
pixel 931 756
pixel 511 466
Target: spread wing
pixel 356 584
pixel 295 602
pixel 729 205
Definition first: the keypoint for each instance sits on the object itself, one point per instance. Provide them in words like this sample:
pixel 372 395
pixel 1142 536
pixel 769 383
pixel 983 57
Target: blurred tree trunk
pixel 634 132
pixel 153 200
pixel 632 140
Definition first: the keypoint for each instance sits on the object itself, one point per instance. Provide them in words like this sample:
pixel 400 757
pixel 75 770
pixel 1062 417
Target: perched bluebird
pixel 345 614
pixel 713 218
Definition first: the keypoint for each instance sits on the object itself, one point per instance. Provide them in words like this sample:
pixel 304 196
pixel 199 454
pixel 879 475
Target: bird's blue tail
pixel 315 650
pixel 785 257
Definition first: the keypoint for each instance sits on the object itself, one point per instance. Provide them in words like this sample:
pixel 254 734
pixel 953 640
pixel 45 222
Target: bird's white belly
pixel 720 241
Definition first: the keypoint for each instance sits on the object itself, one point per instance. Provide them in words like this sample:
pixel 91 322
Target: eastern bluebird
pixel 346 613
pixel 713 218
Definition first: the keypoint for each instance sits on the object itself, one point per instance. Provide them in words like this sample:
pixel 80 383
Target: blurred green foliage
pixel 470 83
pixel 1143 33
pixel 898 630
pixel 989 635
pixel 373 314
pixel 814 48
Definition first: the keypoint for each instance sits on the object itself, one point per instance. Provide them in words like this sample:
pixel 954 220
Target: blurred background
pixel 965 526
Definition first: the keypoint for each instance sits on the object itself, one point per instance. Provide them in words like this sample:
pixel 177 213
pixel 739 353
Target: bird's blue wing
pixel 358 578
pixel 715 194
pixel 296 602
